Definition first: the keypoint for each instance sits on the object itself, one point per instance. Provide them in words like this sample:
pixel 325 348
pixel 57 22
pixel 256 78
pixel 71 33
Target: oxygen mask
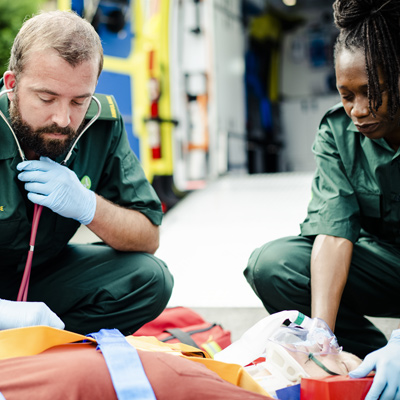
pixel 313 336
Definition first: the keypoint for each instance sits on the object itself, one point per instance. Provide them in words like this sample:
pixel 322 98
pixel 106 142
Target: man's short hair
pixel 72 37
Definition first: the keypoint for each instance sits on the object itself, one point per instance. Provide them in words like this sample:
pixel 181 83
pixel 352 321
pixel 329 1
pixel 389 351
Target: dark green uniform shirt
pixel 356 188
pixel 102 159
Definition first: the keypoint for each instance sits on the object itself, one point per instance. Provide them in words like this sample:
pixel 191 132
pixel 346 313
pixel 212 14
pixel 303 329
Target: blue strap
pixel 289 393
pixel 123 362
pixel 2 397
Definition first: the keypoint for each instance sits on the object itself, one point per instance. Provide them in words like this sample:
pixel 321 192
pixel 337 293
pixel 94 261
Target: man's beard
pixel 35 140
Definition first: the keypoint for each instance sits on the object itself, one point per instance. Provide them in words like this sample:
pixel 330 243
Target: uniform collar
pixel 351 127
pixel 8 148
pixel 380 142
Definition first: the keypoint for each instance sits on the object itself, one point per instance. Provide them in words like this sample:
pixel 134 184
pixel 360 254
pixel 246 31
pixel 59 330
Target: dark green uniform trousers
pixel 279 273
pixel 93 286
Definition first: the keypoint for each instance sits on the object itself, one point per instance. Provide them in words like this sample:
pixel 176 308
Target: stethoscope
pixel 37 211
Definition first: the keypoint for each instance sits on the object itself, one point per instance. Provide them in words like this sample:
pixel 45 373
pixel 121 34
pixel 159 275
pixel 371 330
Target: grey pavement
pixel 208 237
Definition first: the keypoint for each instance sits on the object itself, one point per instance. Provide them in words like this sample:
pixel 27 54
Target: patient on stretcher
pixel 80 370
pixel 285 365
pixel 284 354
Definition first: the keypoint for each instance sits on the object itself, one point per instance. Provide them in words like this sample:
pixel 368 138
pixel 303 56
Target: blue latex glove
pixel 57 187
pixel 18 314
pixel 386 363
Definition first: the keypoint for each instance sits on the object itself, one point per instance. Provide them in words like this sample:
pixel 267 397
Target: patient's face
pixel 341 363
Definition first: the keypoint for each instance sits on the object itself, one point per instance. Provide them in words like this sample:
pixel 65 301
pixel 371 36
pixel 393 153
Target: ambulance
pixel 176 69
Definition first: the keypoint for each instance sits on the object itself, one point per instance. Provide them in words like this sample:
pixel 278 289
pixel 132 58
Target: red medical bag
pixel 181 324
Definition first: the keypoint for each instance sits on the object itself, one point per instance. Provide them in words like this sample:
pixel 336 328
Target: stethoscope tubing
pixel 23 289
pixel 37 211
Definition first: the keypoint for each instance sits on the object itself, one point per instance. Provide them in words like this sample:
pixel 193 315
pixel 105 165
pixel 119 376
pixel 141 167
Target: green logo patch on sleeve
pixel 86 182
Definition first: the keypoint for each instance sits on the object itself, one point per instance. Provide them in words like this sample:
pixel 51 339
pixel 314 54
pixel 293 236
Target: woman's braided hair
pixel 374 27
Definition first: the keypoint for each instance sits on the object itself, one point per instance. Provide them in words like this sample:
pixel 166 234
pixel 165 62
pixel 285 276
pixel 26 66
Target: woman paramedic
pixel 345 263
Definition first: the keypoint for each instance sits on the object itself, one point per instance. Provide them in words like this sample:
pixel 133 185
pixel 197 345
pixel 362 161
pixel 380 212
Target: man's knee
pixel 157 279
pixel 150 291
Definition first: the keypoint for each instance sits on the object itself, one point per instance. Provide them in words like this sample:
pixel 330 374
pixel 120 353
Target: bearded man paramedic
pixel 55 63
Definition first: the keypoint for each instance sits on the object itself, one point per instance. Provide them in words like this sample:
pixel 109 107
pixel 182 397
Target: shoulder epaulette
pixel 109 108
pixel 336 107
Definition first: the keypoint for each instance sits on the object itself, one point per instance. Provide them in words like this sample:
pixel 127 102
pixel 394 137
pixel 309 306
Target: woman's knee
pixel 279 266
pixel 263 265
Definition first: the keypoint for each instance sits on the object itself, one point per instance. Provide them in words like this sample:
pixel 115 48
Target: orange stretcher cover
pixel 34 340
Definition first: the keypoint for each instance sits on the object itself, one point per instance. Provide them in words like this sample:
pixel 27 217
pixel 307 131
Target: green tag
pixel 86 182
pixel 299 319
